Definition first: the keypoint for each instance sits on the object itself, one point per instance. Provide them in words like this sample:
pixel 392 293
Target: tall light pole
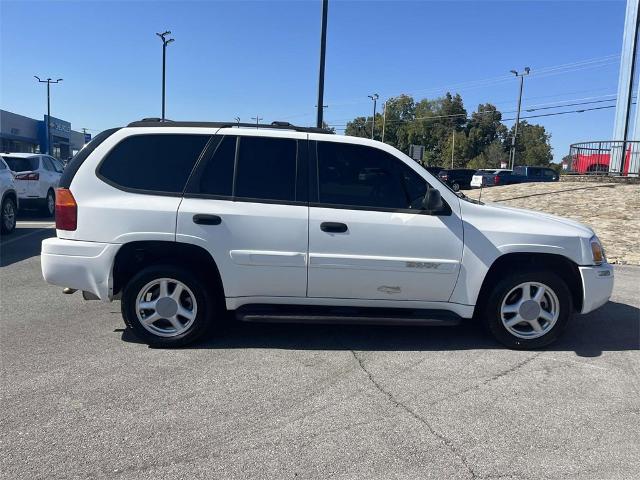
pixel 323 50
pixel 373 97
pixel 48 81
pixel 165 41
pixel 515 130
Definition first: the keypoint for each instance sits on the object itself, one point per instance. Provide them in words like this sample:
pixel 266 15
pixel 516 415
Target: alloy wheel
pixel 8 216
pixel 530 310
pixel 166 307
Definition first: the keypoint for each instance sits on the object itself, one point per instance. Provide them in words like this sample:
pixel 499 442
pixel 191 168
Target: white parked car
pixel 9 205
pixel 185 220
pixel 490 177
pixel 36 179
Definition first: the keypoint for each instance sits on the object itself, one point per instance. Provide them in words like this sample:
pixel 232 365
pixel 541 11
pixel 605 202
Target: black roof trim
pixel 156 122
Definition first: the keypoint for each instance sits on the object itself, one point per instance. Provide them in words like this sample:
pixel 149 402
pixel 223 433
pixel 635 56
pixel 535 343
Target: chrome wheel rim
pixel 51 203
pixel 166 307
pixel 530 310
pixel 8 216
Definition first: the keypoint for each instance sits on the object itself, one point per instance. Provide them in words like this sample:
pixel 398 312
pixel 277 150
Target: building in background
pixel 24 134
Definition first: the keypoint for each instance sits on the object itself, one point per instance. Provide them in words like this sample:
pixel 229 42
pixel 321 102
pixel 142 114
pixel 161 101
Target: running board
pixel 345 315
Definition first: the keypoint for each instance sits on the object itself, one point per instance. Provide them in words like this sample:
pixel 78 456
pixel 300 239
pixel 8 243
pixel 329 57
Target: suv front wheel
pixel 167 306
pixel 528 309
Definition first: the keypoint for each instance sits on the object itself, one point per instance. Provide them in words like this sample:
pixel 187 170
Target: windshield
pixel 21 164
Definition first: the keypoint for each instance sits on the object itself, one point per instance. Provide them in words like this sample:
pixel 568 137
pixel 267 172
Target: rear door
pixel 247 204
pixel 368 236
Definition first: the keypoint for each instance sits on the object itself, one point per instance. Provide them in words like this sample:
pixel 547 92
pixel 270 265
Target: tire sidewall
pixel 455 186
pixel 207 305
pixel 2 207
pixel 492 319
pixel 48 212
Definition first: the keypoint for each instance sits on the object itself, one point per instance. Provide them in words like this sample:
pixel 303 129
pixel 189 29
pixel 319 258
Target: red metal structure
pixel 605 158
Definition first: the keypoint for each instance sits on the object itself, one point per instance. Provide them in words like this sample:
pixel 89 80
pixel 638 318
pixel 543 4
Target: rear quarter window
pixel 152 162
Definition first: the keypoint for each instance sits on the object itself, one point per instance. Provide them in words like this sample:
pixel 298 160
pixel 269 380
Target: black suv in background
pixel 533 174
pixel 457 178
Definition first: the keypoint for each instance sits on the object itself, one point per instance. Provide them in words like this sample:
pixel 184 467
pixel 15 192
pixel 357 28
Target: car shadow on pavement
pixel 22 244
pixel 614 327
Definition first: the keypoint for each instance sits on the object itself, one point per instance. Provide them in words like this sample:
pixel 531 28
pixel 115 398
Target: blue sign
pixel 87 137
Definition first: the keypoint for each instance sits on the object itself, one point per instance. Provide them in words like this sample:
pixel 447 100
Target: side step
pixel 345 315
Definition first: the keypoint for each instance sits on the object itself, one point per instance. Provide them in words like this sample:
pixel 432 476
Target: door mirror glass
pixel 432 201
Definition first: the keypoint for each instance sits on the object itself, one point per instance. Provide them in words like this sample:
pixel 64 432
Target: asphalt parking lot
pixel 81 398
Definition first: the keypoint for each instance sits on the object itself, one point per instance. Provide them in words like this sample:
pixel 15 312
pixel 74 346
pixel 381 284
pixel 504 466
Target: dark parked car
pixel 533 174
pixel 457 178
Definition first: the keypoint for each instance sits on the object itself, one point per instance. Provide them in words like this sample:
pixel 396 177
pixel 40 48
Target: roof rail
pixel 157 122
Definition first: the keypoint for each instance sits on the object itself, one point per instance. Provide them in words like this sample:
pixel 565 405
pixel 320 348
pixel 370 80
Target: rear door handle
pixel 204 219
pixel 333 227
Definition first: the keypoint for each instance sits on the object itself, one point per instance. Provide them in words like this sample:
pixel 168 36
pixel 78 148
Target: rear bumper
pixel 81 265
pixel 597 286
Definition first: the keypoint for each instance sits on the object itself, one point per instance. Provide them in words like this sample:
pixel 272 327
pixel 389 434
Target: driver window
pixel 359 176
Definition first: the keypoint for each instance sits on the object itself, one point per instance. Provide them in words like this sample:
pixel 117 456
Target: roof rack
pixel 157 122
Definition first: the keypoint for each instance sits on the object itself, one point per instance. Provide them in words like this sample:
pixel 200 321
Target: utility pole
pixel 165 41
pixel 48 81
pixel 257 118
pixel 515 130
pixel 323 51
pixel 453 147
pixel 373 97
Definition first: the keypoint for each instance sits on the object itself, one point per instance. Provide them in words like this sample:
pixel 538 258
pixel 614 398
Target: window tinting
pixel 217 177
pixel 549 173
pixel 22 164
pixel 160 163
pixel 266 169
pixel 356 175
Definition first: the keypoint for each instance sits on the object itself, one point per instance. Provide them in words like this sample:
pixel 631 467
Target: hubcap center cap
pixel 530 310
pixel 166 307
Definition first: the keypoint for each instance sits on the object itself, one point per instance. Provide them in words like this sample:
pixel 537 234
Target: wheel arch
pixel 564 267
pixel 134 256
pixel 10 194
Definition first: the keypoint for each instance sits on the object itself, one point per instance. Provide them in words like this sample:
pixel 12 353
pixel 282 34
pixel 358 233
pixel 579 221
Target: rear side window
pixel 266 169
pixel 158 163
pixel 22 164
pixel 217 177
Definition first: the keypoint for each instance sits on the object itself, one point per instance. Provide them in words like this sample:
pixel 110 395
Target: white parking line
pixel 20 237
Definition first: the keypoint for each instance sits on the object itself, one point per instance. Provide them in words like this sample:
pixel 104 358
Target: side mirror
pixel 432 201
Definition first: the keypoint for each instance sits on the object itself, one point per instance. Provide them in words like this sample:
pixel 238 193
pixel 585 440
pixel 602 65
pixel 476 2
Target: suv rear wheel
pixel 167 306
pixel 455 186
pixel 528 309
pixel 8 220
pixel 49 208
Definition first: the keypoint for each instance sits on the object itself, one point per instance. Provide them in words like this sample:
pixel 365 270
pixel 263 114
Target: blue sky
pixel 244 58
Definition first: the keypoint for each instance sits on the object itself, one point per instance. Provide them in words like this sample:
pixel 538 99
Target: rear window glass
pixel 266 169
pixel 22 164
pixel 159 163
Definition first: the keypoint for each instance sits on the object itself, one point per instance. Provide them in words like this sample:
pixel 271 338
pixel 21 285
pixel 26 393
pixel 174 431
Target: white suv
pixel 184 221
pixel 9 202
pixel 36 179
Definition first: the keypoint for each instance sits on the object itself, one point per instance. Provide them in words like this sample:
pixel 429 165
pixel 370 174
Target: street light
pixel 165 41
pixel 373 97
pixel 48 81
pixel 515 130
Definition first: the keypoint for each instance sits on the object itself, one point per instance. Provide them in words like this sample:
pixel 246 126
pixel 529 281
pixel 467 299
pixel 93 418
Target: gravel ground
pixel 81 398
pixel 612 210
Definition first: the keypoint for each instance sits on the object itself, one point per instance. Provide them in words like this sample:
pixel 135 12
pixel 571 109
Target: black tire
pixel 455 186
pixel 49 207
pixel 210 306
pixel 8 213
pixel 492 317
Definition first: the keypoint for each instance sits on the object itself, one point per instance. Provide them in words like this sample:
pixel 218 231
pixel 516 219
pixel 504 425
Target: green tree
pixel 532 145
pixel 491 157
pixel 484 127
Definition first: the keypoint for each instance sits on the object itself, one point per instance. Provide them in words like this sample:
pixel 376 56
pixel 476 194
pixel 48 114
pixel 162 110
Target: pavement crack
pixel 443 439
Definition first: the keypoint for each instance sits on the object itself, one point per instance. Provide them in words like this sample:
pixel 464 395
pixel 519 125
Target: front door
pixel 247 205
pixel 368 236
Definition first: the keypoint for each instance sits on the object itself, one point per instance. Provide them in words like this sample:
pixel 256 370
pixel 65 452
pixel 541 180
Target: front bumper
pixel 81 265
pixel 597 285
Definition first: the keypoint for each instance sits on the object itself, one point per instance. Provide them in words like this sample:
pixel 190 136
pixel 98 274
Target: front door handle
pixel 333 227
pixel 204 219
